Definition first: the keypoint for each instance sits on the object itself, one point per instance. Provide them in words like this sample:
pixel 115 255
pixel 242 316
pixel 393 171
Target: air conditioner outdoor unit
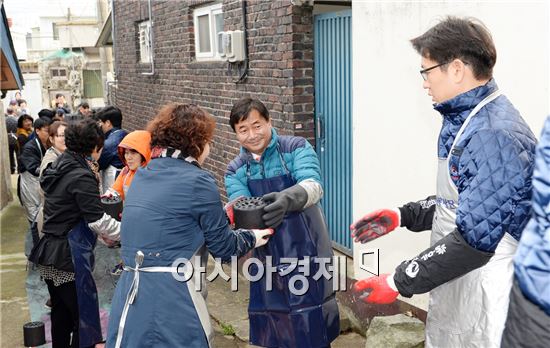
pixel 231 45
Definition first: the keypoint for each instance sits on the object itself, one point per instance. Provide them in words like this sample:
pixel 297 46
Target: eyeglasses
pixel 424 73
pixel 60 135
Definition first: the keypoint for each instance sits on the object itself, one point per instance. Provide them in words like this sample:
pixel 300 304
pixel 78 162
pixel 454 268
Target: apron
pixel 29 188
pixel 198 297
pixel 82 242
pixel 279 318
pixel 469 311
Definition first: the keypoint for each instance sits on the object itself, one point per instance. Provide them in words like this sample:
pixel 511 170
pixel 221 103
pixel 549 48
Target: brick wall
pixel 280 52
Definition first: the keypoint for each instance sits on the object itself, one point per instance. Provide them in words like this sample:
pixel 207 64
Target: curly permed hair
pixel 185 127
pixel 82 137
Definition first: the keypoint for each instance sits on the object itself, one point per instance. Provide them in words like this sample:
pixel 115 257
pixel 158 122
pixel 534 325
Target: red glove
pixel 229 210
pixel 380 290
pixel 374 225
pixel 262 236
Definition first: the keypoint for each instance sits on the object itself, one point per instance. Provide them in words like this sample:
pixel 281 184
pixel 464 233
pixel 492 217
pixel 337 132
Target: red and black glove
pixel 379 290
pixel 229 210
pixel 374 225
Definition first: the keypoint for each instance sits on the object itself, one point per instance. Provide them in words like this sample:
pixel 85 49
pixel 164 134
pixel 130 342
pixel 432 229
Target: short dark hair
pixel 46 113
pixel 84 105
pixel 57 95
pixel 21 101
pixel 40 123
pixel 241 109
pixel 10 111
pixel 110 113
pixel 185 127
pixel 466 39
pixel 23 118
pixel 83 137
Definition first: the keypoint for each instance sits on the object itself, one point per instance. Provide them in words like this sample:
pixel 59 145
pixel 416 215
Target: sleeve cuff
pixel 314 191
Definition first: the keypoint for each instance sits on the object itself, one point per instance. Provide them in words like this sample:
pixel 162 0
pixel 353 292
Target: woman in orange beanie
pixel 134 151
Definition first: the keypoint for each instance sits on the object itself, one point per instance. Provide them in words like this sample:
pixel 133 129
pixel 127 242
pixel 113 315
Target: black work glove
pixel 293 198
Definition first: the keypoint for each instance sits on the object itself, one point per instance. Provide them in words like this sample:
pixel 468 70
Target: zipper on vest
pixel 262 171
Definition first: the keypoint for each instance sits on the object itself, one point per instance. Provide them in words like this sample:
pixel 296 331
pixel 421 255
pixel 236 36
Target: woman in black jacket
pixel 72 216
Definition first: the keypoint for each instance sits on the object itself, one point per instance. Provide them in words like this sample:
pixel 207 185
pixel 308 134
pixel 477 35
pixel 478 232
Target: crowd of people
pixel 20 124
pixel 67 166
pixel 487 268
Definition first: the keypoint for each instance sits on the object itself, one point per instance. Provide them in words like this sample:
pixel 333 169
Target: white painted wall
pixel 75 35
pixel 32 93
pixel 46 40
pixel 19 38
pixel 395 127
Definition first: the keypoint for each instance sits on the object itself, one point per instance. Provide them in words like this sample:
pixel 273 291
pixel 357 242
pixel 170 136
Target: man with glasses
pixel 29 169
pixel 482 203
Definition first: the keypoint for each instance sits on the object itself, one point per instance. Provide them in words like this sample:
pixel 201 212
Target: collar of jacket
pixel 112 130
pixel 24 131
pixel 269 149
pixel 453 110
pixel 81 159
pixel 54 150
pixel 43 148
pixel 170 152
pixel 56 170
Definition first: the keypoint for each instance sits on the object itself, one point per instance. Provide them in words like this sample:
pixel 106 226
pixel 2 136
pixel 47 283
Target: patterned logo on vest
pixel 446 203
pixel 412 269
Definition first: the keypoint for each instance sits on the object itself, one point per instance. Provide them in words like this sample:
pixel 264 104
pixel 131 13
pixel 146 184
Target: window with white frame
pixel 144 37
pixel 208 22
pixel 58 73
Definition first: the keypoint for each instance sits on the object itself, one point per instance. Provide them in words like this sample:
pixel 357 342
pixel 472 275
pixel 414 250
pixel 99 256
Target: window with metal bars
pixel 144 41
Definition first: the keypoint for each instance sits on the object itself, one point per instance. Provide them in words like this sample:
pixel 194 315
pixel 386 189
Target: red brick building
pixel 280 66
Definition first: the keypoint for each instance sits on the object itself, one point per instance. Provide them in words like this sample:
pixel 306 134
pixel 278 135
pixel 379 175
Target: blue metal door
pixel 332 33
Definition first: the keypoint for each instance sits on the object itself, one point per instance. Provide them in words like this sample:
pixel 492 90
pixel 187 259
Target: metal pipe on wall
pixel 242 78
pixel 113 34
